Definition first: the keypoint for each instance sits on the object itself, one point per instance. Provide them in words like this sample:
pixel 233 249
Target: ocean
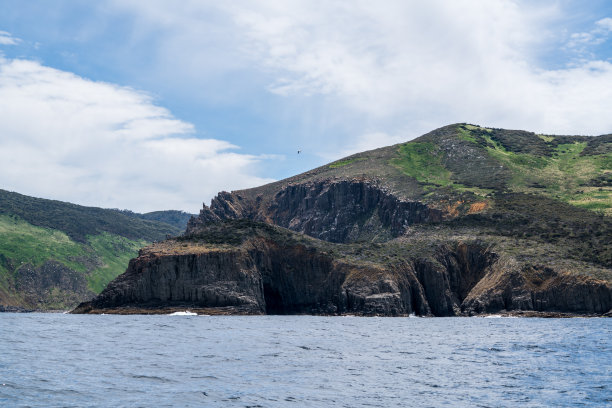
pixel 61 360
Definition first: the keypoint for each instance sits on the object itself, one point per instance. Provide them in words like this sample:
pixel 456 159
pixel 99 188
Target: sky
pixel 153 105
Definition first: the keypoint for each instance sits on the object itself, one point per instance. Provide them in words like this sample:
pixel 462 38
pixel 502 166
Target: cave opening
pixel 274 301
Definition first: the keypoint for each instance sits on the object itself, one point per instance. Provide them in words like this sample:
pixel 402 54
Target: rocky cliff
pixel 461 221
pixel 252 268
pixel 331 210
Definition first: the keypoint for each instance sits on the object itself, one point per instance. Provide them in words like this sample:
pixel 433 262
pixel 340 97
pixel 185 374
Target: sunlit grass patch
pixel 423 162
pixel 25 243
pixel 594 198
pixel 546 138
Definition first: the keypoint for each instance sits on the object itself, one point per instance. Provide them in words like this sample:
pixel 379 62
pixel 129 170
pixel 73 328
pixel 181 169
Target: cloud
pixel 364 142
pixel 401 67
pixel 434 62
pixel 8 39
pixel 94 143
pixel 605 24
pixel 598 35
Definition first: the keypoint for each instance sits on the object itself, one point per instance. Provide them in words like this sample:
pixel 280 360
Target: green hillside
pixel 546 189
pixel 54 254
pixel 468 163
pixel 573 169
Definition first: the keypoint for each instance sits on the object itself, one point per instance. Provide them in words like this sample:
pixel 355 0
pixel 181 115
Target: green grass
pixel 565 174
pixel 115 252
pixel 465 134
pixel 342 163
pixel 22 243
pixel 102 258
pixel 423 162
pixel 546 138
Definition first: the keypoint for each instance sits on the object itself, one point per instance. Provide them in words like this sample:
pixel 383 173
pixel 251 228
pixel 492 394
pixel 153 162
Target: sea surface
pixel 60 360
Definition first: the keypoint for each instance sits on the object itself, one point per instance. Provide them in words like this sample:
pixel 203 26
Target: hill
pixel 54 255
pixel 175 218
pixel 462 220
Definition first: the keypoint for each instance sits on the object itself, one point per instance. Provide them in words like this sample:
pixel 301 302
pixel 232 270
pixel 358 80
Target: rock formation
pixel 275 271
pixel 461 221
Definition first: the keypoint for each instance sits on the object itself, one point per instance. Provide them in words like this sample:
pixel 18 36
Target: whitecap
pixel 185 313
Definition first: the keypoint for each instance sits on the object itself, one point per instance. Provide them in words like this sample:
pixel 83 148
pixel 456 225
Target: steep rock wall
pixel 264 276
pixel 214 279
pixel 331 210
pixel 51 285
pixel 511 286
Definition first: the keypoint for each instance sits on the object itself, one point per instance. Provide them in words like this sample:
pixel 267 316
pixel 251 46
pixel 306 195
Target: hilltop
pixel 461 220
pixel 54 254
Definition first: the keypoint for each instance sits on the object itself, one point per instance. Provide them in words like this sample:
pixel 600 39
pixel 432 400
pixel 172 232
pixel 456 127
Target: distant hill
pixel 462 220
pixel 175 218
pixel 55 254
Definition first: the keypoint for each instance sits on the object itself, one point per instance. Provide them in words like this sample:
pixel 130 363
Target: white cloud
pixel 399 65
pixel 66 137
pixel 605 24
pixel 598 35
pixel 7 39
pixel 437 61
pixel 364 142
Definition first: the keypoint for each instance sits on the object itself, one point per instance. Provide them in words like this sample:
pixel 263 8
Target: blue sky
pixel 154 104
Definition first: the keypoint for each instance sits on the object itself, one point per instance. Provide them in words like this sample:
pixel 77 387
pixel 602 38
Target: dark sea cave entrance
pixel 274 301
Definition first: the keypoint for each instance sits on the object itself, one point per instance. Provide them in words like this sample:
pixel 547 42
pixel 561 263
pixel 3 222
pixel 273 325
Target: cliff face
pixel 51 286
pixel 275 275
pixel 331 210
pixel 512 287
pixel 463 220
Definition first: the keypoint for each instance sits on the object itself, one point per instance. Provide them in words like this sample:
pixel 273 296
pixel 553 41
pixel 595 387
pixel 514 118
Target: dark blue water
pixel 50 360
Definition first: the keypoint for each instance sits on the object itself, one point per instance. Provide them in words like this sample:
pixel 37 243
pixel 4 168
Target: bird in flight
pixel 299 151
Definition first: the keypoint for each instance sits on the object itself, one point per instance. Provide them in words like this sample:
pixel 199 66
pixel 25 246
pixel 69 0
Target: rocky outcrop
pixel 259 277
pixel 252 268
pixel 331 210
pixel 266 275
pixel 509 287
pixel 388 232
pixel 51 285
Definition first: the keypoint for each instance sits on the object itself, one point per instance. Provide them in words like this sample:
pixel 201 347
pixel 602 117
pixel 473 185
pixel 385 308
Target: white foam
pixel 185 313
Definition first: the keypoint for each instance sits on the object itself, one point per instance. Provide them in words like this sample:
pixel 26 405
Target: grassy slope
pixel 101 258
pixel 467 162
pixel 545 191
pixel 95 242
pixel 558 167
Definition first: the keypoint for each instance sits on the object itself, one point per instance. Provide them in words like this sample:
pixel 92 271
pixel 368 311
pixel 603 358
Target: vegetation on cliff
pixel 54 254
pixel 541 203
pixel 247 267
pixel 461 220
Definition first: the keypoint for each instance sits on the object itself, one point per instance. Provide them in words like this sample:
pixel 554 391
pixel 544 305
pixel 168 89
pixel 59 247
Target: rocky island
pixel 463 220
